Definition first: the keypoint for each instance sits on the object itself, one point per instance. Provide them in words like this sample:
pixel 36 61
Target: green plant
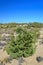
pixel 24 45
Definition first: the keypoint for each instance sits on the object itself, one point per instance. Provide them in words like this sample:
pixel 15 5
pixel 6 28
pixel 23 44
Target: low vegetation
pixel 23 45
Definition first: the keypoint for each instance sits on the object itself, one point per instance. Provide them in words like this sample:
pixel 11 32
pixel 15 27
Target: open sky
pixel 21 11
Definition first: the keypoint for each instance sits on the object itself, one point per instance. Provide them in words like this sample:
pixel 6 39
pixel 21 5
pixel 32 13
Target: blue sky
pixel 21 11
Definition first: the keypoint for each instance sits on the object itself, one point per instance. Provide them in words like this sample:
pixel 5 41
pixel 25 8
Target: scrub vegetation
pixel 23 43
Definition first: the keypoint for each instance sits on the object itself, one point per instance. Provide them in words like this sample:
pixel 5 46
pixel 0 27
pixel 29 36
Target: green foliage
pixel 35 25
pixel 19 30
pixel 24 45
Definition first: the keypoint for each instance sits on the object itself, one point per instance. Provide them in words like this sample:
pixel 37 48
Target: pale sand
pixel 3 55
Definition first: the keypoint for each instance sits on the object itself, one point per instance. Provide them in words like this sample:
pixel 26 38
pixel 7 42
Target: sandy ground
pixel 28 61
pixel 3 55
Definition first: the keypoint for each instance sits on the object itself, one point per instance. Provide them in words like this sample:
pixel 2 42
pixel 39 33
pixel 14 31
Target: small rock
pixel 39 59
